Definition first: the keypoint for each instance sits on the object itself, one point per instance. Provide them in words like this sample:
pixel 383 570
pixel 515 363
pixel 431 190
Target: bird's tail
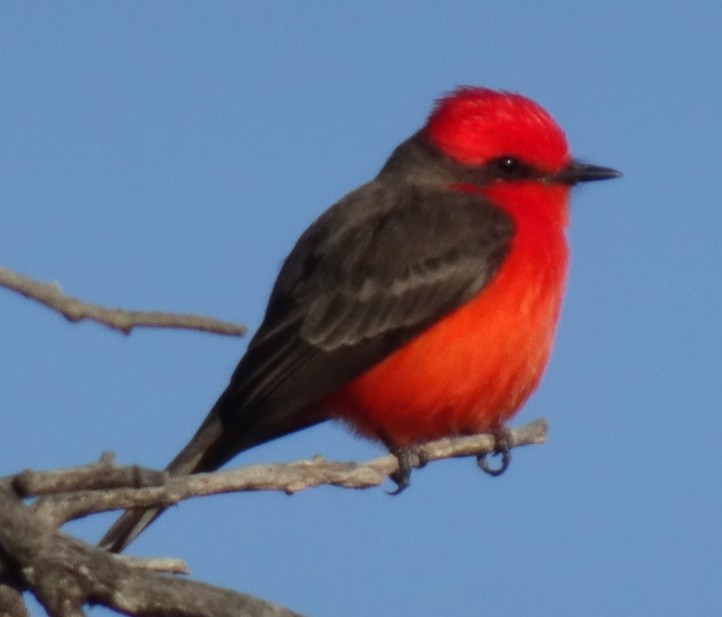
pixel 224 433
pixel 206 451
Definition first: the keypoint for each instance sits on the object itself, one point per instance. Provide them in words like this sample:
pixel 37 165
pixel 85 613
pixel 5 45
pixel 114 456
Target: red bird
pixel 421 305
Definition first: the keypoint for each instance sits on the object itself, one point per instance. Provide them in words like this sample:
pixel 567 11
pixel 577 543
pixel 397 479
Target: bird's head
pixel 508 134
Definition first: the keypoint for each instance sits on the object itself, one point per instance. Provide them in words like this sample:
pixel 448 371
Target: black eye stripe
pixel 508 163
pixel 509 168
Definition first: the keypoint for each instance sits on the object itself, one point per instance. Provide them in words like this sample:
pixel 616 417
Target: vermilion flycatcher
pixel 421 305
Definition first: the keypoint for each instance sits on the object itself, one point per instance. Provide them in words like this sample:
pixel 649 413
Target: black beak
pixel 576 171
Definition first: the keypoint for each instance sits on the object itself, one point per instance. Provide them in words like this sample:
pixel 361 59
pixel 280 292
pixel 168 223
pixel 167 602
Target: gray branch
pixel 74 493
pixel 73 309
pixel 65 574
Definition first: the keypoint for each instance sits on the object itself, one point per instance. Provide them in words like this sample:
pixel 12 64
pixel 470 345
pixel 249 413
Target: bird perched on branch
pixel 421 305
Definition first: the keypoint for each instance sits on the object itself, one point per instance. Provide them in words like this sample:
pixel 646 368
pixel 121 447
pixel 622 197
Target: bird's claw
pixel 408 458
pixel 502 445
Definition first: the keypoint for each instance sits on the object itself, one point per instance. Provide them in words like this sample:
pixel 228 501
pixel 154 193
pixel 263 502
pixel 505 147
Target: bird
pixel 421 305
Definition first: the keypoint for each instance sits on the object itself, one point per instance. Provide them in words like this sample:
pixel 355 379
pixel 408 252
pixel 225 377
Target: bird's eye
pixel 508 165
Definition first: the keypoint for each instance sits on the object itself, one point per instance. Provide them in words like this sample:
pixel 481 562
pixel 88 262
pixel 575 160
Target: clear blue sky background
pixel 167 155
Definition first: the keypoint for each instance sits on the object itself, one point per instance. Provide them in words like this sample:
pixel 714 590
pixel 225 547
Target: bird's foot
pixel 409 458
pixel 502 445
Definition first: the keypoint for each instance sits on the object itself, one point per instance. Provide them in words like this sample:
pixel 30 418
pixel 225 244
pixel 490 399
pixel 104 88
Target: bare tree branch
pixel 73 309
pixel 65 574
pixel 73 493
pixel 11 600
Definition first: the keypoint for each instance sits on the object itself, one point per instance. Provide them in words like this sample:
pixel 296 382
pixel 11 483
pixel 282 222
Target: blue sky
pixel 167 155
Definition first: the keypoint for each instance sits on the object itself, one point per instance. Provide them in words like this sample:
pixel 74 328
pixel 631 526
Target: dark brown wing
pixel 374 271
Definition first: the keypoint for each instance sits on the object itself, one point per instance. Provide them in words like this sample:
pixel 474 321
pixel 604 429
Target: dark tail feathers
pixel 206 451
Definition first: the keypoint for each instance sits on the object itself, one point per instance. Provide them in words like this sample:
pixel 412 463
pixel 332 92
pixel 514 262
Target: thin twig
pixel 73 309
pixel 73 493
pixel 166 565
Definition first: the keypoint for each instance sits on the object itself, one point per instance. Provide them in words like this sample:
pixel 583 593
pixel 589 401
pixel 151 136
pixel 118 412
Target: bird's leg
pixel 502 445
pixel 408 457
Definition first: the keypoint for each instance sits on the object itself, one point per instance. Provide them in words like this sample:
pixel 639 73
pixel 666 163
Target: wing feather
pixel 374 271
